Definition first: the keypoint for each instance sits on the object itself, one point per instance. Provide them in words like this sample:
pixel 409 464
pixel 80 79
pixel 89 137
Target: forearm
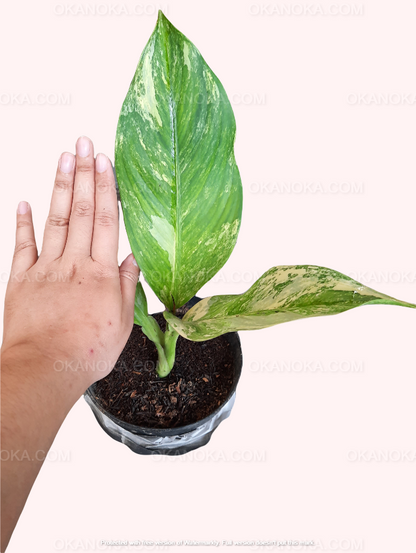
pixel 62 333
pixel 35 399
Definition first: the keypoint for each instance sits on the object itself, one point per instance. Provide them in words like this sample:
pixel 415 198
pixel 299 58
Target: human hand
pixel 71 309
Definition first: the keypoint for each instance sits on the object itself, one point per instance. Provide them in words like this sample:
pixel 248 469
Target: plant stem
pixel 165 342
pixel 162 368
pixel 167 361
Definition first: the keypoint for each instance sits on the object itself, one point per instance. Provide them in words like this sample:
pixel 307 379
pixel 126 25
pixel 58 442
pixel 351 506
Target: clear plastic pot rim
pixel 179 443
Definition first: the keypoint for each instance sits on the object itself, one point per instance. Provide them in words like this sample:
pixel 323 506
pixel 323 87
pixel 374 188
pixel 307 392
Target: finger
pixel 56 228
pixel 81 219
pixel 105 235
pixel 25 253
pixel 129 274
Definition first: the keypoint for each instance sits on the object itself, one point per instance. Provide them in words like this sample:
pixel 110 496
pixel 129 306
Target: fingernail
pixel 134 260
pixel 101 163
pixel 22 208
pixel 83 146
pixel 66 163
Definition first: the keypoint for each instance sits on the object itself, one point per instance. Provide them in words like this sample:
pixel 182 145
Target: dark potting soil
pixel 200 381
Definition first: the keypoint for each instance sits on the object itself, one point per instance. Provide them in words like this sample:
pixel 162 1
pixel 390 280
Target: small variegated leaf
pixel 179 184
pixel 281 295
pixel 143 319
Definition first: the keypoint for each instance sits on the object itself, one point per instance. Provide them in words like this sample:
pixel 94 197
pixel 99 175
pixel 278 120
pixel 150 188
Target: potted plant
pixel 181 197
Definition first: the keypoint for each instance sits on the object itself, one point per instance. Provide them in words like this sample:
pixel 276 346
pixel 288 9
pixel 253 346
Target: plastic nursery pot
pixel 170 441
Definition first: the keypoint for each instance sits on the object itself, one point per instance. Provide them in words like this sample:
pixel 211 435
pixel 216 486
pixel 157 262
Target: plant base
pixel 176 414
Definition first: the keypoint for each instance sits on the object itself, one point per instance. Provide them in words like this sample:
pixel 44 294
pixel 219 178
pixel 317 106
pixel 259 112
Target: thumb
pixel 129 274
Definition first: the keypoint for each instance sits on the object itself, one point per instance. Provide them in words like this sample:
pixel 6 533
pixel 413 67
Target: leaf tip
pixel 162 20
pixel 164 25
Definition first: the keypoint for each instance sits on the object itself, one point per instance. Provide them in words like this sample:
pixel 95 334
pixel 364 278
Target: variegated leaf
pixel 143 319
pixel 180 187
pixel 282 294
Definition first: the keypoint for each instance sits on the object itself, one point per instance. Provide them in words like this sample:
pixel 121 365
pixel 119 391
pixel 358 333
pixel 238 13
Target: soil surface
pixel 200 381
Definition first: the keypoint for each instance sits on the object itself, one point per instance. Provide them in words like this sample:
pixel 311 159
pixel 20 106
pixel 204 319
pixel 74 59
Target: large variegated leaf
pixel 282 294
pixel 179 184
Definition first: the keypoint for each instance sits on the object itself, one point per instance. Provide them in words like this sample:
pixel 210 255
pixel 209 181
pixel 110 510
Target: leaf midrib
pixel 177 180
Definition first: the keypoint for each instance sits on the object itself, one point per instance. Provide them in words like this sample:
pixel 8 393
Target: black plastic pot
pixel 169 441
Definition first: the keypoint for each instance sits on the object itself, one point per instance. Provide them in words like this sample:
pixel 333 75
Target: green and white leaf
pixel 282 294
pixel 179 184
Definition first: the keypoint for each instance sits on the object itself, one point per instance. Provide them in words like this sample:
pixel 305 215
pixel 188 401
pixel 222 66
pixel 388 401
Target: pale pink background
pixel 290 78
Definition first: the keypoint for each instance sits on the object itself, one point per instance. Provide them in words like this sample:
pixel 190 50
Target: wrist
pixel 24 366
